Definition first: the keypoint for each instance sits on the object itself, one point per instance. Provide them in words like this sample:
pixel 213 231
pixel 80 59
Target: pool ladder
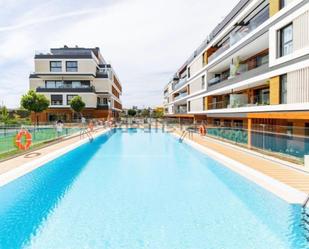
pixel 183 136
pixel 305 218
pixel 86 132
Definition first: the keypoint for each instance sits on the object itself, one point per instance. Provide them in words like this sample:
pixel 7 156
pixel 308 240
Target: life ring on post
pixel 18 139
pixel 202 130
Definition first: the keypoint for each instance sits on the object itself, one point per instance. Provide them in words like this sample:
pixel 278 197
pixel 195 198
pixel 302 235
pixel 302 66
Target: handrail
pixel 87 132
pixel 306 202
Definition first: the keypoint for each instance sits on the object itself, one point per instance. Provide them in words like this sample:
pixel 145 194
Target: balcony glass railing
pixel 254 23
pixel 66 88
pixel 180 83
pixel 220 50
pixel 235 36
pixel 182 95
pixel 257 100
pixel 235 72
pixel 181 110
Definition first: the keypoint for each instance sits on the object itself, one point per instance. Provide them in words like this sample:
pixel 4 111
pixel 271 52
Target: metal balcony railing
pixel 66 89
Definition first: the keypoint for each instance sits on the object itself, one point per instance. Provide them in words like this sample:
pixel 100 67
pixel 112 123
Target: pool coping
pixel 280 189
pixel 26 168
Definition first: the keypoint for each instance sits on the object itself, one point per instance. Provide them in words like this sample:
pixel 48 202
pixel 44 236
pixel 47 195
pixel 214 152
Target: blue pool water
pixel 141 190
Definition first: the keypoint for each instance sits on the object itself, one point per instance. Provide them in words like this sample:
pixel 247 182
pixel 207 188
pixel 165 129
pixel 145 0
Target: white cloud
pixel 146 41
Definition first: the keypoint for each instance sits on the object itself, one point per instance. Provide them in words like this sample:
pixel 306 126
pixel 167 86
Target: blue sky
pixel 145 41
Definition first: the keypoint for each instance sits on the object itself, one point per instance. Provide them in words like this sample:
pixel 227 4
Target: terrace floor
pixel 293 177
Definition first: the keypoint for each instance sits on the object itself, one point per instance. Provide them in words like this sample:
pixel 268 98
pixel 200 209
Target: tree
pixel 131 112
pixel 158 112
pixel 34 102
pixel 4 115
pixel 145 113
pixel 77 104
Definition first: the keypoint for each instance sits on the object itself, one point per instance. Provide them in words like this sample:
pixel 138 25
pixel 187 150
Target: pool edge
pixel 28 167
pixel 280 189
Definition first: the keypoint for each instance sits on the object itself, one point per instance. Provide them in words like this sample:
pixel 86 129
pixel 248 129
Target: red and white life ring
pixel 202 130
pixel 18 139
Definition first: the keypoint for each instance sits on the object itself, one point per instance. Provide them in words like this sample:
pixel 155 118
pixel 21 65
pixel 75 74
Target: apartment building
pixel 251 72
pixel 64 73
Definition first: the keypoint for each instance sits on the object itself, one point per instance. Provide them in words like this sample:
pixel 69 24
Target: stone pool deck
pixel 21 165
pixel 291 175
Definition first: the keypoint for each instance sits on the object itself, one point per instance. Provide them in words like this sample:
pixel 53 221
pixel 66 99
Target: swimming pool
pixel 143 190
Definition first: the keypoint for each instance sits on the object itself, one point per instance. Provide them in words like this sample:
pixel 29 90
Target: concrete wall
pixel 196 105
pixel 196 85
pixel 102 85
pixel 84 65
pixel 196 66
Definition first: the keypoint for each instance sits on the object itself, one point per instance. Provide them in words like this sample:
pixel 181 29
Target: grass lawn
pixel 39 136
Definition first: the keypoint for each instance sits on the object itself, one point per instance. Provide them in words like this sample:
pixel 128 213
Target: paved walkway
pixel 292 177
pixel 40 156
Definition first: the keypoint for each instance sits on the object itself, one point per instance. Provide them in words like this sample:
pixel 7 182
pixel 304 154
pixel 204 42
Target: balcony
pixel 180 83
pixel 181 95
pixel 104 72
pixel 240 100
pixel 253 24
pixel 181 109
pixel 237 35
pixel 240 73
pixel 102 106
pixel 82 89
pixel 219 51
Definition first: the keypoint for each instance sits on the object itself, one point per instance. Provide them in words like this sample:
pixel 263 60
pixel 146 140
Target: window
pixel 283 89
pixel 203 81
pixel 286 40
pixel 261 60
pixel 238 124
pixel 55 66
pixel 189 106
pixel 204 58
pixel 50 84
pixel 71 66
pixel 69 98
pixel 56 99
pixel 189 72
pixel 284 3
pixel 227 123
pixel 76 84
pixel 59 84
pixel 216 122
pixel 54 84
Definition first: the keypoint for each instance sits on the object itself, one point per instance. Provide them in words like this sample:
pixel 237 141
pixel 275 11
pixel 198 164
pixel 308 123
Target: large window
pixel 69 98
pixel 71 66
pixel 286 40
pixel 54 84
pixel 56 99
pixel 55 66
pixel 283 89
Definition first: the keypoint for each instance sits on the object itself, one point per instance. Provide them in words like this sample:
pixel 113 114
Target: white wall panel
pixel 301 31
pixel 298 86
pixel 196 105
